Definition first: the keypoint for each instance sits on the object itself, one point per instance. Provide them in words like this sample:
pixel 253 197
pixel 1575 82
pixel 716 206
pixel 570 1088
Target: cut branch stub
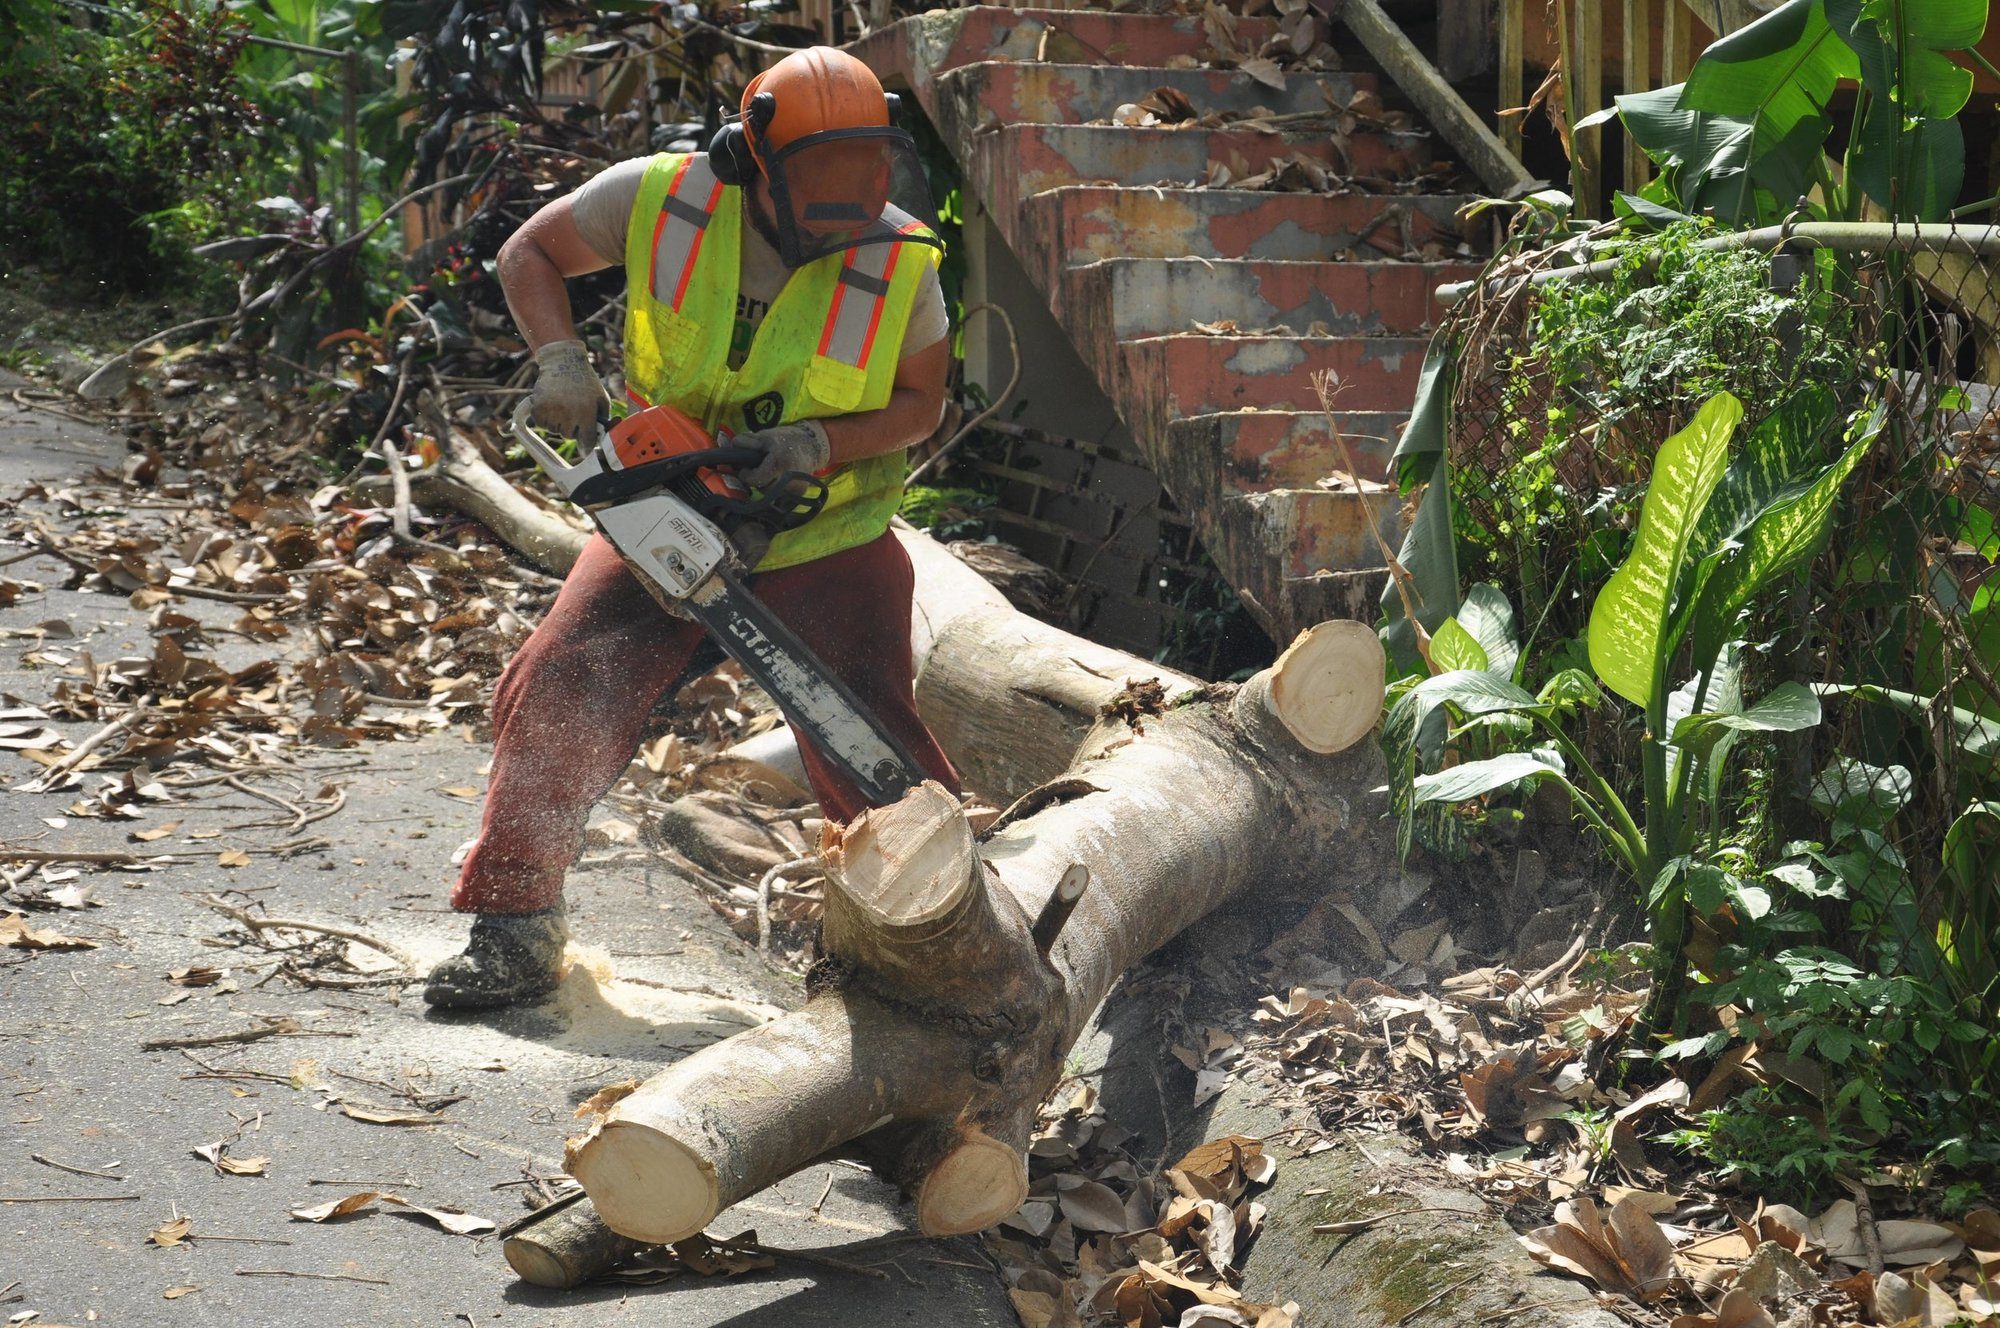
pixel 1326 689
pixel 566 1247
pixel 905 868
pixel 979 1183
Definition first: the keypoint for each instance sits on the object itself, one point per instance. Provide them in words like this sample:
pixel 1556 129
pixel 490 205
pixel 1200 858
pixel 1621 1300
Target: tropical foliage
pixel 1747 137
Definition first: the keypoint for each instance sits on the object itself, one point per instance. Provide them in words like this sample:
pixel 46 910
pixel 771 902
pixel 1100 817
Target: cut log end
pixel 646 1184
pixel 909 863
pixel 1327 688
pixel 978 1184
pixel 566 1248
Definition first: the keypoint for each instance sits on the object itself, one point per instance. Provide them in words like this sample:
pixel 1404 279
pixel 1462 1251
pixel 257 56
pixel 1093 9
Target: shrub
pixel 118 147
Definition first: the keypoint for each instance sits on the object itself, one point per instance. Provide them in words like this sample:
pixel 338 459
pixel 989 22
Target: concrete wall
pixel 1061 394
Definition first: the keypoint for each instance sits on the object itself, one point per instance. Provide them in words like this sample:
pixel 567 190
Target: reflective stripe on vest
pixel 684 218
pixel 856 310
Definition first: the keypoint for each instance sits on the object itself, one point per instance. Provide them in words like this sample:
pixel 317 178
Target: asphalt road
pixel 655 974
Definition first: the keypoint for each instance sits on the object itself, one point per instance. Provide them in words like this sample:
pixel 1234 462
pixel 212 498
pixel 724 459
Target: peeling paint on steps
pixel 1081 223
pixel 1045 93
pixel 1057 189
pixel 1279 449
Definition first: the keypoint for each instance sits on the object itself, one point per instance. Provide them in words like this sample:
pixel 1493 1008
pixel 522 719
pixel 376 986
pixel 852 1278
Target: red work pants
pixel 571 707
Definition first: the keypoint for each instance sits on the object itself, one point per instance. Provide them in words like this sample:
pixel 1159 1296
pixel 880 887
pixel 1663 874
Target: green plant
pixel 120 147
pixel 947 513
pixel 1747 134
pixel 1607 370
pixel 1764 1141
pixel 1712 536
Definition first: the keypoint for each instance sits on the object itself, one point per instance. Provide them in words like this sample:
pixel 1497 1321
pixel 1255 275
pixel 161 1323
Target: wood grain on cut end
pixel 567 1247
pixel 1327 688
pixel 908 863
pixel 979 1183
pixel 646 1184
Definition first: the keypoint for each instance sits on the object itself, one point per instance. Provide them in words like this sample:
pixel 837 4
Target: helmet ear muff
pixel 730 155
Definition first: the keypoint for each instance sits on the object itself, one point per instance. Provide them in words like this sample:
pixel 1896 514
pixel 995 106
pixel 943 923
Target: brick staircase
pixel 1203 312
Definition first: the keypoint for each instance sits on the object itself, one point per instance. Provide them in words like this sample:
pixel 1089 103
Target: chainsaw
pixel 667 497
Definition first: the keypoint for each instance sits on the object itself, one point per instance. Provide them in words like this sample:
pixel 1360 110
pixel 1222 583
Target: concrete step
pixel 1285 449
pixel 1002 93
pixel 1015 162
pixel 1303 531
pixel 1266 544
pixel 1093 222
pixel 1169 377
pixel 1151 297
pixel 954 37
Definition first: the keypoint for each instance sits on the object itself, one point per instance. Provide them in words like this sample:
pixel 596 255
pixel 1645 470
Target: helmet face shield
pixel 842 188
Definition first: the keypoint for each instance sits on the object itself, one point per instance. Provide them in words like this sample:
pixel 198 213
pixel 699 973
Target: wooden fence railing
pixel 1654 43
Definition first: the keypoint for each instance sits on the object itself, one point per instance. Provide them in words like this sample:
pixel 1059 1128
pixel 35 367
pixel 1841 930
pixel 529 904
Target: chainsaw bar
pixel 683 558
pixel 817 703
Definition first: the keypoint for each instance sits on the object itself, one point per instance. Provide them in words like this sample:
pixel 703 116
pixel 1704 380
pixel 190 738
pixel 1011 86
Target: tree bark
pixel 566 1247
pixel 952 986
pixel 937 1023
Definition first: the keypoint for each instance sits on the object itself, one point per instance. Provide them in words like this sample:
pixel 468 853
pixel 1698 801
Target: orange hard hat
pixel 812 91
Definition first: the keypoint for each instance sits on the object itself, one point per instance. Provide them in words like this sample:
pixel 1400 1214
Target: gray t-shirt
pixel 603 210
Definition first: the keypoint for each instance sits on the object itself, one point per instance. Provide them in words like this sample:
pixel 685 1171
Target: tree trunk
pixel 936 1023
pixel 960 969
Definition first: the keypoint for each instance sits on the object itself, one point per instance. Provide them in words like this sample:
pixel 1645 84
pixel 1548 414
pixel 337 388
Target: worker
pixel 816 334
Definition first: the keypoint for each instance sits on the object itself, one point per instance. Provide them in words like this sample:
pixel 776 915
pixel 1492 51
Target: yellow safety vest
pixel 829 344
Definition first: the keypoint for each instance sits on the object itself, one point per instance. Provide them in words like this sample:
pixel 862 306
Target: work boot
pixel 511 957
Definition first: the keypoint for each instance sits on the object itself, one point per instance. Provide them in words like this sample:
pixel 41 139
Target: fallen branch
pixel 111 858
pixel 950 1026
pixel 261 925
pixel 57 774
pixel 283 1028
pixel 317 1277
pixel 74 1171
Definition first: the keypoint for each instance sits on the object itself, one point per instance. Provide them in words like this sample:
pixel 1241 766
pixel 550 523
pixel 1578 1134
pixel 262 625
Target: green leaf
pixel 1705 158
pixel 1975 734
pixel 1709 888
pixel 1628 634
pixel 1787 708
pixel 1784 535
pixel 1944 25
pixel 1912 171
pixel 1429 553
pixel 1752 901
pixel 1784 451
pixel 1862 795
pixel 1486 614
pixel 1453 648
pixel 1972 854
pixel 1778 73
pixel 1650 215
pixel 1473 691
pixel 1423 436
pixel 1464 782
pixel 1929 28
pixel 1571 687
pixel 1934 86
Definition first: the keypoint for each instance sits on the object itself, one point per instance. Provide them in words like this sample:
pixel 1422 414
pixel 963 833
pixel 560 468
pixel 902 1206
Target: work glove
pixel 801 447
pixel 567 398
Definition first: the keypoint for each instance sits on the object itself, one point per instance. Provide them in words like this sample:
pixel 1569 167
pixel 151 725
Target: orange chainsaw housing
pixel 659 432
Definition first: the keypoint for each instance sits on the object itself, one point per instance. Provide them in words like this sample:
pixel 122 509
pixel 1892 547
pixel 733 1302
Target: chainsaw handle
pixel 545 456
pixel 790 502
pixel 608 486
